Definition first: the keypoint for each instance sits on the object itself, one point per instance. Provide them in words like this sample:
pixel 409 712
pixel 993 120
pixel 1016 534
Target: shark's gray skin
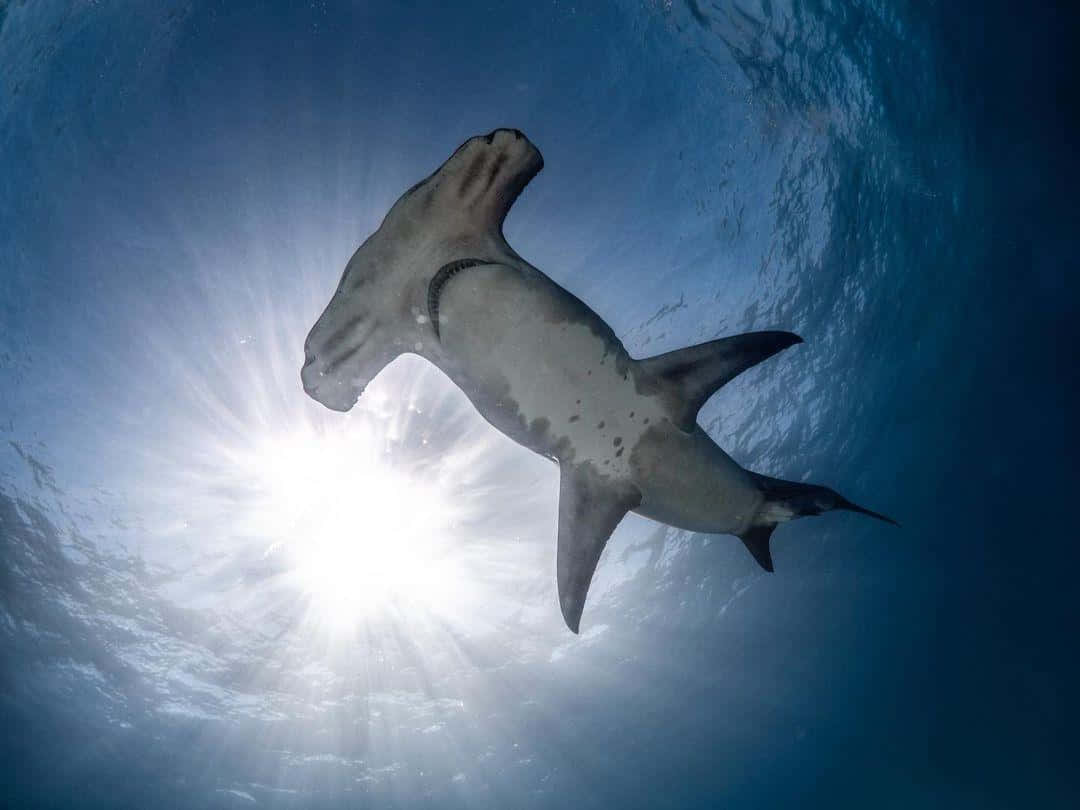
pixel 438 279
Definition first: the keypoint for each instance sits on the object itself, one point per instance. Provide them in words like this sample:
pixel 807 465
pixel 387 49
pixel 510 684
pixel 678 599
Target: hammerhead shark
pixel 439 280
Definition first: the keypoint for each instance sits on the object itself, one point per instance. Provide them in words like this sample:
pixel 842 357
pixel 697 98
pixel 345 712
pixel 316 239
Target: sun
pixel 356 534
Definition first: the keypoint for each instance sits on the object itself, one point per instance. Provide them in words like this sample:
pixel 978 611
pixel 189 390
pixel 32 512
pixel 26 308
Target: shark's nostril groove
pixel 343 358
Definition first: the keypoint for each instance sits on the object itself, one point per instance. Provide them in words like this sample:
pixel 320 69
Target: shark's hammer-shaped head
pixel 379 309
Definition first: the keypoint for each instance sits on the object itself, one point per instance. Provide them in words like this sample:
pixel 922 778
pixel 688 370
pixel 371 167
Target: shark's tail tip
pixel 854 507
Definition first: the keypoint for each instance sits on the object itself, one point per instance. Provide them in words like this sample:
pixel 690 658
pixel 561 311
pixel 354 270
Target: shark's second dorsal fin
pixel 698 371
pixel 590 507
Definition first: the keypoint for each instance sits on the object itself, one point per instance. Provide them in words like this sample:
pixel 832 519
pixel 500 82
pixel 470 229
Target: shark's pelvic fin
pixel 756 540
pixel 590 507
pixel 698 371
pixel 785 500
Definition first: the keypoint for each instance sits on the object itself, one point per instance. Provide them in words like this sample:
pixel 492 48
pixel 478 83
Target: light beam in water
pixel 356 532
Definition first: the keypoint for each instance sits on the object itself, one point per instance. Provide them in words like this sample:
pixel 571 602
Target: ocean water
pixel 216 593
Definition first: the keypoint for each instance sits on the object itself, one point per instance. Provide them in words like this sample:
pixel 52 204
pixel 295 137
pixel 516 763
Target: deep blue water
pixel 180 187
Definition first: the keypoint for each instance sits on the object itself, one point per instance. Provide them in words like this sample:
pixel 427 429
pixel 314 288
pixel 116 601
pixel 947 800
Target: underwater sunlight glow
pixel 355 534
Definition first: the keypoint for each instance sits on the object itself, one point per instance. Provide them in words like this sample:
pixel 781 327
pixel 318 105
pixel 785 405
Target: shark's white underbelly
pixel 545 370
pixel 528 357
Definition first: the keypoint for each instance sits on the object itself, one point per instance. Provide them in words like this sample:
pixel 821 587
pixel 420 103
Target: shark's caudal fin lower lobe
pixel 698 371
pixel 786 500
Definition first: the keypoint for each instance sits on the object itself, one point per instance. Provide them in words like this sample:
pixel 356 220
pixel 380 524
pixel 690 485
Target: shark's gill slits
pixel 445 273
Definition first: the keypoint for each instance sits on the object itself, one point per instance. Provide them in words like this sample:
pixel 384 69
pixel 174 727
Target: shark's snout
pixel 500 163
pixel 514 143
pixel 502 131
pixel 328 382
pixel 328 390
pixel 309 376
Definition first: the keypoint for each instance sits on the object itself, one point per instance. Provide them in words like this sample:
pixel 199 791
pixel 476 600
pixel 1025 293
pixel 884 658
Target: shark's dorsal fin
pixel 590 507
pixel 698 371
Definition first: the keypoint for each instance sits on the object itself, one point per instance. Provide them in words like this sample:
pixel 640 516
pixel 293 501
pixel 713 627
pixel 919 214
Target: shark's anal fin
pixel 698 371
pixel 590 507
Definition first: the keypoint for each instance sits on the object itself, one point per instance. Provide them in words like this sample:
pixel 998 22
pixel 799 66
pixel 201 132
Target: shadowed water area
pixel 216 593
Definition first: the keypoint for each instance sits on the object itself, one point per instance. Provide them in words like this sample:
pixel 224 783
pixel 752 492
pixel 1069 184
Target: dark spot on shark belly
pixel 617 441
pixel 575 417
pixel 438 281
pixel 538 431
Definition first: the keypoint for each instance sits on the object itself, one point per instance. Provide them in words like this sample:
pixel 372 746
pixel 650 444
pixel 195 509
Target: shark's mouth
pixel 445 273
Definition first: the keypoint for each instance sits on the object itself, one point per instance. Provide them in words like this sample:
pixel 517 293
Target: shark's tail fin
pixel 785 500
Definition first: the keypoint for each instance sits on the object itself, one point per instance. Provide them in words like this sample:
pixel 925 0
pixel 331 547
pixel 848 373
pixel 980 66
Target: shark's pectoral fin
pixel 698 371
pixel 590 507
